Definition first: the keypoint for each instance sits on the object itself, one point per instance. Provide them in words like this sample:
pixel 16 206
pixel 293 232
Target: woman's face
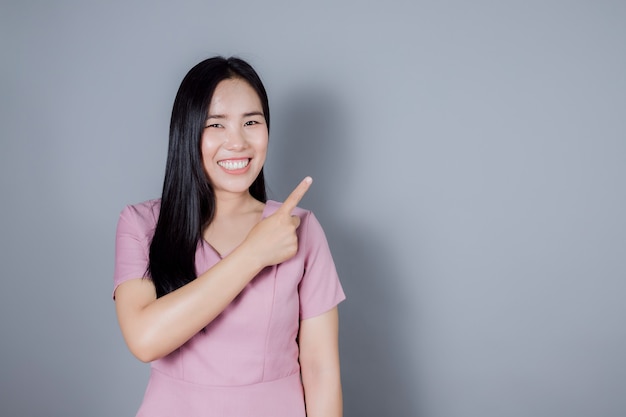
pixel 234 141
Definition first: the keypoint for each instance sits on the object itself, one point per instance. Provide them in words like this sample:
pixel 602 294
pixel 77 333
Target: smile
pixel 234 164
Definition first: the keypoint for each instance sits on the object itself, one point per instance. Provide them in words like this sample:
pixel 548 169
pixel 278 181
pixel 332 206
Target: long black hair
pixel 188 200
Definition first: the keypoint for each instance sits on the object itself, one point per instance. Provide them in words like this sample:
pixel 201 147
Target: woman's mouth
pixel 234 164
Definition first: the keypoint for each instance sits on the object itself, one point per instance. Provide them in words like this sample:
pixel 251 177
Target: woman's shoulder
pixel 142 216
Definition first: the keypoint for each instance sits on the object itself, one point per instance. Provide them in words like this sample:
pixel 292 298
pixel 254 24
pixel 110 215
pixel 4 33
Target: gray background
pixel 469 162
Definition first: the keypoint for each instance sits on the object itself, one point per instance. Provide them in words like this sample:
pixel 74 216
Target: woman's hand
pixel 273 240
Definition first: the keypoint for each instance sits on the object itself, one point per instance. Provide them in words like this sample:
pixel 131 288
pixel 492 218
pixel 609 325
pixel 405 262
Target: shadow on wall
pixel 378 368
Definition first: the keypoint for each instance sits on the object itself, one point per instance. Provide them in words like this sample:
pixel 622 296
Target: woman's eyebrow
pixel 223 116
pixel 254 113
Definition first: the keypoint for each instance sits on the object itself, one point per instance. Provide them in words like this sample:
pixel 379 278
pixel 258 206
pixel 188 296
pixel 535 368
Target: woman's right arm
pixel 155 327
pixel 152 328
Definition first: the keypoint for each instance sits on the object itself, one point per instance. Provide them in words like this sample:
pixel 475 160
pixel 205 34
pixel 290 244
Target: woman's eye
pixel 213 125
pixel 251 122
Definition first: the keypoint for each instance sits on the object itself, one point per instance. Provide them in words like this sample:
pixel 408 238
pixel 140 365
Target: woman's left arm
pixel 319 363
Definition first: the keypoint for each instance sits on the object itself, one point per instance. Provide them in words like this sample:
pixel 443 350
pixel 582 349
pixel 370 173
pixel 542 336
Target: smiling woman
pixel 231 297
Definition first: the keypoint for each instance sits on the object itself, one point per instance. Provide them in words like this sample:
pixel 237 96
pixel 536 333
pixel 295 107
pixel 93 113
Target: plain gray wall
pixel 469 162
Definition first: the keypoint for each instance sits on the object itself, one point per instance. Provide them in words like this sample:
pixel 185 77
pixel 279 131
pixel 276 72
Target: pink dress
pixel 246 362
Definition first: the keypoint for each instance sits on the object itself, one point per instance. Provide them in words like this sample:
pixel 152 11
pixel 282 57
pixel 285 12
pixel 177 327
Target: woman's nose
pixel 236 140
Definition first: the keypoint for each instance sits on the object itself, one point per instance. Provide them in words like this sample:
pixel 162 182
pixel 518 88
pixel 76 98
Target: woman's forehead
pixel 234 96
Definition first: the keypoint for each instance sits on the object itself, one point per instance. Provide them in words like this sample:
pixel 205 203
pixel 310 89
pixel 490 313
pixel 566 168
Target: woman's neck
pixel 229 204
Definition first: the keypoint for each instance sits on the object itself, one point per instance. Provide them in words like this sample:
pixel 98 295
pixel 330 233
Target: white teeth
pixel 233 165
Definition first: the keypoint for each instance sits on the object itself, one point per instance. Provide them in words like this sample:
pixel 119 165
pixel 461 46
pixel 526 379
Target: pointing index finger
pixel 296 195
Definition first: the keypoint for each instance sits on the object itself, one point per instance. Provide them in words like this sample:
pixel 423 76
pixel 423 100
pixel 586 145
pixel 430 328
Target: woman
pixel 232 298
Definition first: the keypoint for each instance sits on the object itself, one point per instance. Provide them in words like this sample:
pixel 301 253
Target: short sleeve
pixel 132 244
pixel 320 289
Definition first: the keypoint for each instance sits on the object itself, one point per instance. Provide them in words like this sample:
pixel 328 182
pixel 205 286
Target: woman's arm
pixel 155 327
pixel 319 363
